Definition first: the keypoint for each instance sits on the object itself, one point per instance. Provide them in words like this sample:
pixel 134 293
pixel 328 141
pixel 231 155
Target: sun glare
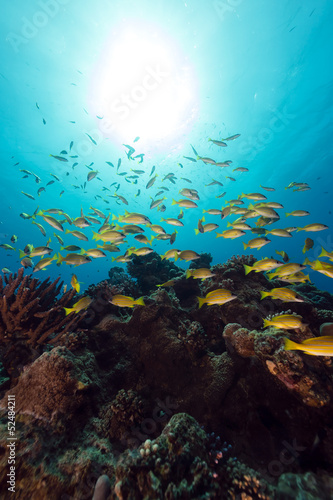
pixel 144 87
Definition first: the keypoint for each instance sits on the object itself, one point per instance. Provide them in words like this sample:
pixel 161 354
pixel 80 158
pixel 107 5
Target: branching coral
pixel 29 310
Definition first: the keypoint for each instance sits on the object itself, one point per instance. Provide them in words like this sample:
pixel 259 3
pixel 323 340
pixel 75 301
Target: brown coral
pixel 29 310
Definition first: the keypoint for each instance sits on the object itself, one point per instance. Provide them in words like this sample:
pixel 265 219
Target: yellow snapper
pixel 284 321
pixel 219 296
pixel 230 233
pixel 184 203
pixel 167 283
pixel 286 270
pixel 187 255
pixel 79 306
pixel 263 265
pixel 75 284
pixel 199 274
pixel 256 243
pixel 316 346
pixel 313 227
pixel 124 301
pixel 325 253
pixel 284 294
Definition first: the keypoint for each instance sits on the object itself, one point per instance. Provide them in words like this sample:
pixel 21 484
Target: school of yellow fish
pixel 114 229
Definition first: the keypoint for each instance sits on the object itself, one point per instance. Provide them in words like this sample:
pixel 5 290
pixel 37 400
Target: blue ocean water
pixel 174 74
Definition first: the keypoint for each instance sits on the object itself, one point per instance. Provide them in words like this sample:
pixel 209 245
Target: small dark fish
pixel 25 176
pixel 74 84
pixel 60 158
pixel 71 145
pixel 40 190
pixel 74 156
pixel 44 121
pixel 74 164
pixel 28 195
pixel 122 173
pixel 292 29
pixel 92 140
pixel 49 183
pixel 56 177
pixel 138 193
pixel 119 163
pixel 62 192
pixel 136 139
pixel 85 111
pixel 312 12
pixel 63 152
pixel 16 164
pixel 189 158
pixel 71 122
pixel 139 156
pixel 181 166
pixel 194 151
pixel 37 105
pixel 100 117
pixel 152 171
pixel 109 163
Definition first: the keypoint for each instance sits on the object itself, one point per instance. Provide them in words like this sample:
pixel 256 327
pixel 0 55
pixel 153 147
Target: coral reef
pixel 150 270
pixel 125 393
pixel 204 261
pixel 31 315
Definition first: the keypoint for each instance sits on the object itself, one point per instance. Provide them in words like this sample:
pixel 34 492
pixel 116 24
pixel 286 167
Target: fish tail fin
pixel 289 345
pixel 196 231
pixel 68 310
pixel 250 207
pixel 96 236
pixel 323 253
pixel 82 251
pixel 188 273
pixel 173 202
pixel 245 245
pixel 60 259
pixel 139 302
pixel 247 269
pixel 266 323
pixel 306 262
pixel 67 231
pixel 40 212
pixel 22 254
pixel 299 229
pixel 263 295
pixel 176 256
pixel 201 301
pixel 287 215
